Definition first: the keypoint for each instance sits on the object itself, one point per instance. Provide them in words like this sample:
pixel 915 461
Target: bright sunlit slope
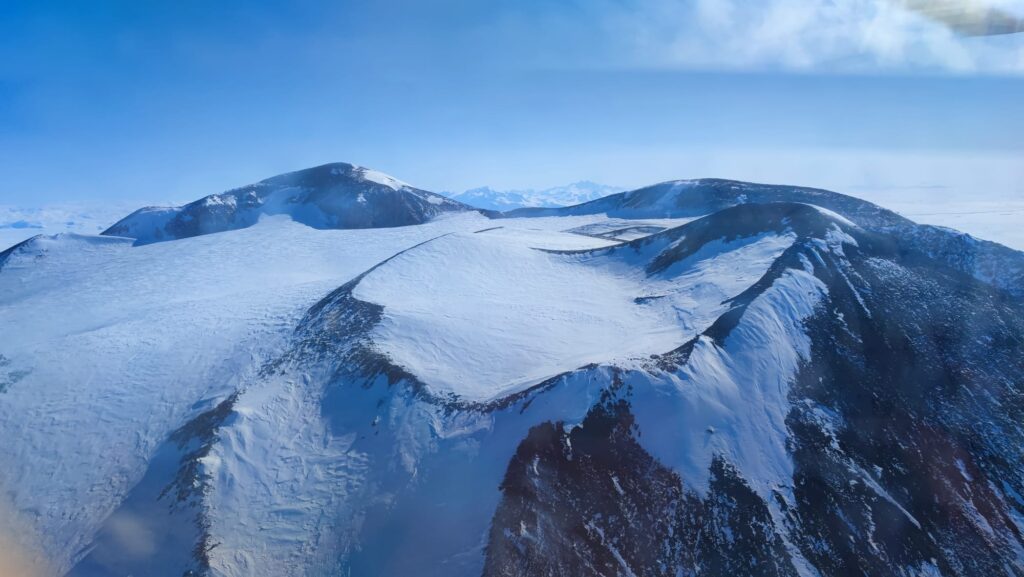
pixel 108 347
pixel 290 400
pixel 138 339
pixel 504 315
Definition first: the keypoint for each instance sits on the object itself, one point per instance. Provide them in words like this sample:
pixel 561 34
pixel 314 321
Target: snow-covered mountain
pixel 504 200
pixel 985 260
pixel 336 195
pixel 704 379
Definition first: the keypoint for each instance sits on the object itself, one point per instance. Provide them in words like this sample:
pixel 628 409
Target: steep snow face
pixel 503 315
pixel 730 398
pixel 284 495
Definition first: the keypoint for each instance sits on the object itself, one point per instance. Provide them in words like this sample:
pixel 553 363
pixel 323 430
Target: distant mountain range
pixel 568 195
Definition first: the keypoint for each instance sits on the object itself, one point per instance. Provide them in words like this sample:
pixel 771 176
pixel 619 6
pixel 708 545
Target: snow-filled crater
pixel 485 315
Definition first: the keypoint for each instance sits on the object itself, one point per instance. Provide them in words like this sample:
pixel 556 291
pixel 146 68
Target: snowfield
pixel 296 400
pixel 137 338
pixel 133 337
pixel 503 315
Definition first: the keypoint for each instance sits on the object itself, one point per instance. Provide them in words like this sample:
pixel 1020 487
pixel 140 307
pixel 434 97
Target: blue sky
pixel 172 101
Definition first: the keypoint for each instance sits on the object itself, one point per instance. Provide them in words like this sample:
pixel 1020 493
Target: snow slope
pixel 500 307
pixel 372 458
pixel 132 337
pixel 503 306
pixel 144 336
pixel 457 397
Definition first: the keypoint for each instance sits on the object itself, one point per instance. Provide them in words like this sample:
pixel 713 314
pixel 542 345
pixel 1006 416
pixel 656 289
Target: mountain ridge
pixel 335 195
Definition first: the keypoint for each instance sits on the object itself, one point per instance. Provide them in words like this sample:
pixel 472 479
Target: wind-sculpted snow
pixel 113 345
pixel 777 388
pixel 27 254
pixel 373 447
pixel 504 315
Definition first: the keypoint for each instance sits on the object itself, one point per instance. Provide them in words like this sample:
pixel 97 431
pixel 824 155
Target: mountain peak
pixel 336 195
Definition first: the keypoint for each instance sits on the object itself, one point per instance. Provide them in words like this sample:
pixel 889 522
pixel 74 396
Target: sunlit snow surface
pixel 483 315
pixel 115 346
pixel 480 315
pixel 107 348
pixel 97 331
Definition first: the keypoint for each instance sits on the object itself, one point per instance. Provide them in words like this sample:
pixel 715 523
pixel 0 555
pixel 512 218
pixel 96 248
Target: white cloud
pixel 831 36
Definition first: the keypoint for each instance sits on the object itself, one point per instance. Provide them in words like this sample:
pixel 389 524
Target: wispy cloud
pixel 828 36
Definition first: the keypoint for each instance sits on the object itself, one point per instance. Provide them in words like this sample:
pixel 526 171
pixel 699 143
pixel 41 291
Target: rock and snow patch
pixel 738 388
pixel 381 178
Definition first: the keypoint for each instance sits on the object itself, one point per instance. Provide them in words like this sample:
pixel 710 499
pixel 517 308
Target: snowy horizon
pixel 990 217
